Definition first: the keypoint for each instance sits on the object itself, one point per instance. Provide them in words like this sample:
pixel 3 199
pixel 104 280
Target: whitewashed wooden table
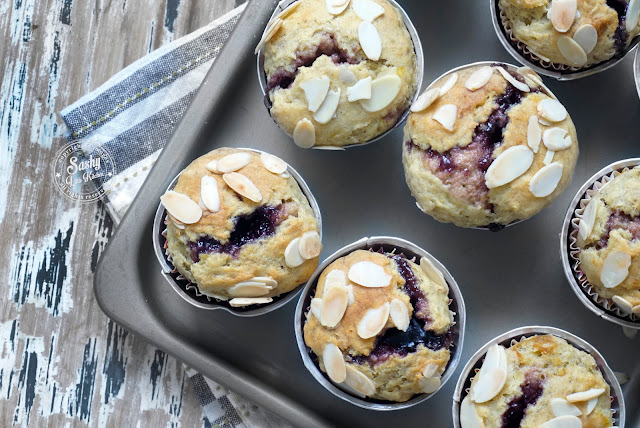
pixel 62 361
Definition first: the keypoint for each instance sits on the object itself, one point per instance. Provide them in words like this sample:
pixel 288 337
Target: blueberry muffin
pixel 240 228
pixel 574 33
pixel 536 381
pixel 609 241
pixel 380 325
pixel 486 146
pixel 339 75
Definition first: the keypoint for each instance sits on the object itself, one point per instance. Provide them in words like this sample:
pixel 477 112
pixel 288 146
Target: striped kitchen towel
pixel 132 117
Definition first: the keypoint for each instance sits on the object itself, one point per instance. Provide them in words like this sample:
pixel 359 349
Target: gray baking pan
pixel 509 279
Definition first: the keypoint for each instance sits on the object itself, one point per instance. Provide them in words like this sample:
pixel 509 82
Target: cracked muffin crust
pixel 486 146
pixel 240 228
pixel 380 325
pixel 339 76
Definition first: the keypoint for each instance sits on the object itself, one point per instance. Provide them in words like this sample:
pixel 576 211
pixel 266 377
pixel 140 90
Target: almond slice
pixel 572 51
pixel 488 385
pixel 425 100
pixel 292 255
pixel 315 90
pixel 268 281
pixel 545 181
pixel 429 385
pixel 346 75
pixel 310 245
pixel 446 116
pixel 534 134
pixel 563 422
pixel 305 134
pixel 360 382
pixel 585 395
pixel 384 90
pixel 615 269
pixel 367 10
pixel 433 272
pixel 271 31
pixel 369 274
pixel 233 162
pixel 468 415
pixel 479 78
pixel 249 289
pixel 430 370
pixel 273 163
pixel 587 37
pixel 633 12
pixel 176 222
pixel 370 40
pixel 334 363
pixel 544 122
pixel 552 110
pixel 287 11
pixel 243 186
pixel 563 13
pixel 509 78
pixel 591 405
pixel 334 305
pixel 239 302
pixel 328 108
pixel 316 307
pixel 588 219
pixel 623 304
pixel 449 84
pixel 556 139
pixel 333 278
pixel 561 407
pixel 181 207
pixel 511 164
pixel 399 314
pixel 336 7
pixel 352 296
pixel 212 167
pixel 548 157
pixel 496 357
pixel 373 321
pixel 360 91
pixel 209 193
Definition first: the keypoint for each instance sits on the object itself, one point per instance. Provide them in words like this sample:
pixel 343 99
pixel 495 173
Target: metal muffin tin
pixel 636 70
pixel 417 45
pixel 464 381
pixel 190 292
pixel 564 247
pixel 387 244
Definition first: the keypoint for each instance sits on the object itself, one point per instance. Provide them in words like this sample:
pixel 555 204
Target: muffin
pixel 570 33
pixel 240 228
pixel 339 75
pixel 487 145
pixel 609 241
pixel 380 326
pixel 540 382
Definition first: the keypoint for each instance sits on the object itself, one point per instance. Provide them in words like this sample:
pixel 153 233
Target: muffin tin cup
pixel 417 46
pixel 189 291
pixel 636 70
pixel 510 338
pixel 388 244
pixel 524 55
pixel 569 249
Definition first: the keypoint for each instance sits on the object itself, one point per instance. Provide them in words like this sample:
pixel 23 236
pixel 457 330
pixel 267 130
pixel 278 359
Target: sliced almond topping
pixel 429 385
pixel 623 304
pixel 496 357
pixel 433 272
pixel 234 162
pixel 561 407
pixel 449 84
pixel 360 382
pixel 588 219
pixel 287 11
pixel 509 78
pixel 334 304
pixel 548 157
pixel 315 90
pixel 591 405
pixel 545 181
pixel 585 395
pixel 587 37
pixel 243 186
pixel 346 75
pixel 446 116
pixel 292 255
pixel 615 269
pixel 552 110
pixel 310 245
pixel 316 307
pixel 336 7
pixel 367 10
pixel 273 163
pixel 268 281
pixel 511 164
pixel 557 139
pixel 425 100
pixel 572 51
pixel 249 289
pixel 399 314
pixel 488 385
pixel 360 91
pixel 563 13
pixel 563 422
pixel 334 363
pixel 544 122
pixel 305 134
pixel 479 78
pixel 212 167
pixel 384 90
pixel 352 296
pixel 369 274
pixel 373 321
pixel 333 278
pixel 430 370
pixel 181 207
pixel 633 12
pixel 269 33
pixel 178 223
pixel 370 40
pixel 239 302
pixel 468 415
pixel 328 108
pixel 209 193
pixel 534 134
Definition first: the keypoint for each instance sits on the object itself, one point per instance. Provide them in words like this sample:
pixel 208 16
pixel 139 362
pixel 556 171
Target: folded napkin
pixel 132 117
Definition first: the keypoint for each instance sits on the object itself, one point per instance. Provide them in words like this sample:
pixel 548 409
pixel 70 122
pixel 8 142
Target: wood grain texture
pixel 62 362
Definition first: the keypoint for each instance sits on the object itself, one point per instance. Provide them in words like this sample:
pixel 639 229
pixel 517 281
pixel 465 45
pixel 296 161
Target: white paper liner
pixel 574 249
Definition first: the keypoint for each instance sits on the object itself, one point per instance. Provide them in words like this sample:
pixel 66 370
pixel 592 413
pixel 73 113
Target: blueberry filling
pixel 416 295
pixel 621 36
pixel 530 391
pixel 618 220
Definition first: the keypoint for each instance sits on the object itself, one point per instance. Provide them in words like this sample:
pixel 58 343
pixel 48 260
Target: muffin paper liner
pixel 574 249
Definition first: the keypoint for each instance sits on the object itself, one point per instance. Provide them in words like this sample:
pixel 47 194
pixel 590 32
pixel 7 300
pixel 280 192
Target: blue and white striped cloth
pixel 132 116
